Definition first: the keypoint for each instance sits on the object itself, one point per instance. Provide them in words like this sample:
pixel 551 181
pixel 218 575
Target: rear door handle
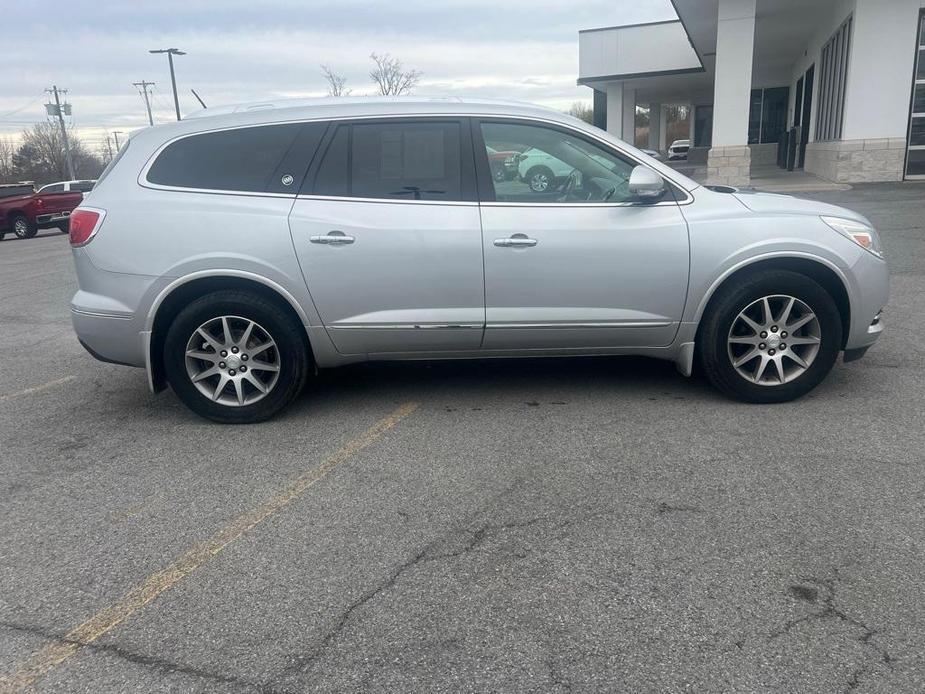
pixel 515 241
pixel 332 238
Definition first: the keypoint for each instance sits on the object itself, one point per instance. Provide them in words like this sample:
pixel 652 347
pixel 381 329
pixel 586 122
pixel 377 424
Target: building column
pixel 663 130
pixel 655 126
pixel 615 109
pixel 729 159
pixel 629 116
pixel 621 111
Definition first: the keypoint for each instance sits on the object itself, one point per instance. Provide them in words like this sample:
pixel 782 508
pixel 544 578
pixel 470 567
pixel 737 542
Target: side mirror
pixel 645 184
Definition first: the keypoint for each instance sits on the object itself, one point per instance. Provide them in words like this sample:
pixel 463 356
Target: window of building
pixel 767 115
pixel 398 161
pixel 241 159
pixel 915 156
pixel 703 126
pixel 833 75
pixel 534 163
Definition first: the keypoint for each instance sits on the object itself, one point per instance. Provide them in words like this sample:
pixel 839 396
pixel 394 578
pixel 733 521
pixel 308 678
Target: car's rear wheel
pixel 771 338
pixel 235 358
pixel 23 228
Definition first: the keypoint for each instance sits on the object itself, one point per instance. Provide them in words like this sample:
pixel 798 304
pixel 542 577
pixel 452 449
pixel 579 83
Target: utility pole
pixel 115 134
pixel 109 146
pixel 144 93
pixel 55 109
pixel 171 52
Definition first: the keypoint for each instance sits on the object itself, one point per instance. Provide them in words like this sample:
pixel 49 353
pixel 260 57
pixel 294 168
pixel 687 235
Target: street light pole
pixel 171 52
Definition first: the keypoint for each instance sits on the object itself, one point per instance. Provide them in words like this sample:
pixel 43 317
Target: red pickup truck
pixel 24 215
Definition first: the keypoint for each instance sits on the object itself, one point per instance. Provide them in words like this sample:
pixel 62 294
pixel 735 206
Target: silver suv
pixel 232 253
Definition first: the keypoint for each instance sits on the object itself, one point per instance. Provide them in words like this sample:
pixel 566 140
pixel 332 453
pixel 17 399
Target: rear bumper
pixel 53 218
pixel 108 337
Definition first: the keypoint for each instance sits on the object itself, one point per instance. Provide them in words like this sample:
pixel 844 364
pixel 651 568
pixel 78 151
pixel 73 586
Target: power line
pixel 21 108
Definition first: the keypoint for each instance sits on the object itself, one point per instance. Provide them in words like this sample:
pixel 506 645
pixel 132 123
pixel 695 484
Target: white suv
pixel 232 254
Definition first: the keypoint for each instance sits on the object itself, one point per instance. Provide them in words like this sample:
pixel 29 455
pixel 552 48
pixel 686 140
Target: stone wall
pixel 729 166
pixel 857 161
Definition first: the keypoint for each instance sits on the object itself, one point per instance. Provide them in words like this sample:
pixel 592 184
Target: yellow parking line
pixel 54 654
pixel 37 389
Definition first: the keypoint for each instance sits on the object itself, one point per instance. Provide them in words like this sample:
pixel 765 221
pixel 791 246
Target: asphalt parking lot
pixel 550 525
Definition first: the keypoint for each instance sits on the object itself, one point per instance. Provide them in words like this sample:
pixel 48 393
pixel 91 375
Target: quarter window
pixel 530 163
pixel 242 159
pixel 54 188
pixel 393 161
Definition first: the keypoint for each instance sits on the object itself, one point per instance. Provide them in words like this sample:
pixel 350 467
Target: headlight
pixel 862 234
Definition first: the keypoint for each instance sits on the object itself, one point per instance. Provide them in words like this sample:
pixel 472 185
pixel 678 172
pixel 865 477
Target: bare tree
pixel 337 84
pixel 41 158
pixel 390 76
pixel 582 111
pixel 6 160
pixel 105 150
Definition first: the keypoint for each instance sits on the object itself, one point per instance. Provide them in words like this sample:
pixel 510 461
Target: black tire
pixel 293 355
pixel 22 227
pixel 714 350
pixel 65 228
pixel 538 173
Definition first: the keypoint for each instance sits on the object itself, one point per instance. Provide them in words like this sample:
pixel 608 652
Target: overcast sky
pixel 249 50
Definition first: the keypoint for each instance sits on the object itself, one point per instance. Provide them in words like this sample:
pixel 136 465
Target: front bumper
pixel 871 280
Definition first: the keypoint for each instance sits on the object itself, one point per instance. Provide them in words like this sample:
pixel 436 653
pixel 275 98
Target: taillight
pixel 84 222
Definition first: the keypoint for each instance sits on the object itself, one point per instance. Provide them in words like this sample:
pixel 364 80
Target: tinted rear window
pixel 242 159
pixel 397 161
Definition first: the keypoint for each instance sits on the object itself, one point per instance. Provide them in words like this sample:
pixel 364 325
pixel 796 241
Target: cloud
pixel 242 50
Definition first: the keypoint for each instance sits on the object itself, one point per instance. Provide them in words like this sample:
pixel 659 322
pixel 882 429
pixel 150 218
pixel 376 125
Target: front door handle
pixel 333 238
pixel 516 241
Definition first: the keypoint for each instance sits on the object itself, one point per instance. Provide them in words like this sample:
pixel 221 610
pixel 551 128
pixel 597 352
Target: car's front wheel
pixel 23 228
pixel 770 338
pixel 235 358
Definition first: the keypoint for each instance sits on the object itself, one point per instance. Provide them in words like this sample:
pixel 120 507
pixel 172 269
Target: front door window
pixel 538 164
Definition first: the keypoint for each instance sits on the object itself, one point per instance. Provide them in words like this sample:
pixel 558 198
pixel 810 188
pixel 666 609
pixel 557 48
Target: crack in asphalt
pixel 827 588
pixel 161 665
pixel 475 538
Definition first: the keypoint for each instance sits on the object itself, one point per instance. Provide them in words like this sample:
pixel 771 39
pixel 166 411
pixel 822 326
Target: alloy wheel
pixel 21 228
pixel 539 182
pixel 774 340
pixel 232 361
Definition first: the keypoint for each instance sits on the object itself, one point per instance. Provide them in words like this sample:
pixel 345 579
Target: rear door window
pixel 398 160
pixel 240 159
